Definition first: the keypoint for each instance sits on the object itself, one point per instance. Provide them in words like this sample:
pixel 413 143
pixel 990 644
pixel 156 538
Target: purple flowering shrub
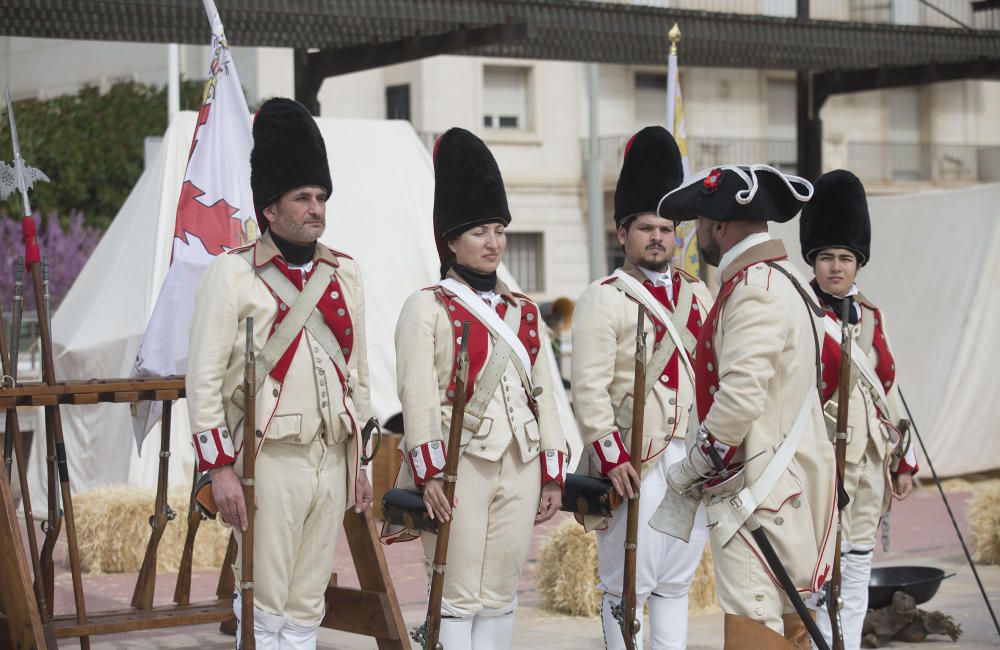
pixel 67 249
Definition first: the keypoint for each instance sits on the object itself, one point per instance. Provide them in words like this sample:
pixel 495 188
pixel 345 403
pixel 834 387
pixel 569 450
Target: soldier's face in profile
pixel 299 216
pixel 836 270
pixel 708 244
pixel 648 241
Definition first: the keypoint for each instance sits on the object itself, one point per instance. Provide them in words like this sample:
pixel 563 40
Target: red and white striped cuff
pixel 610 452
pixel 427 461
pixel 553 467
pixel 908 463
pixel 214 448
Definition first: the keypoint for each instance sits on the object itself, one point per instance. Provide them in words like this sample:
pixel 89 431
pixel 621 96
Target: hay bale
pixel 567 571
pixel 984 518
pixel 113 530
pixel 567 574
pixel 702 598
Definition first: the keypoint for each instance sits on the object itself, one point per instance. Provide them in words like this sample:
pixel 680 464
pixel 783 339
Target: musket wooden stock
pixel 450 479
pixel 249 465
pixel 840 451
pixel 12 432
pixel 629 621
pixel 182 590
pixel 145 584
pixel 59 448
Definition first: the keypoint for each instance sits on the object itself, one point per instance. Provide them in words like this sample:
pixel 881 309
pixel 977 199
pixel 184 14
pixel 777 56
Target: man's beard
pixel 709 252
pixel 658 264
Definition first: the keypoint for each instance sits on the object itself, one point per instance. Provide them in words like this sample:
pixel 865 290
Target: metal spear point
pixel 20 177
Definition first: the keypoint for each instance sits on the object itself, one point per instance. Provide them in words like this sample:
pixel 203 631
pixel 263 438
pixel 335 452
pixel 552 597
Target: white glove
pixel 675 514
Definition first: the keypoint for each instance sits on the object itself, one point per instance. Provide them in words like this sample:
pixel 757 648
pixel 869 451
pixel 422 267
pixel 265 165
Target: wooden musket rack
pixel 373 610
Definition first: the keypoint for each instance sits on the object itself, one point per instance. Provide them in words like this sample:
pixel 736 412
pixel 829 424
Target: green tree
pixel 90 144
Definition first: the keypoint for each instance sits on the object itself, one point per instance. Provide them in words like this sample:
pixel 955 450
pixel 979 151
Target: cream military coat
pixel 426 336
pixel 761 361
pixel 310 398
pixel 603 370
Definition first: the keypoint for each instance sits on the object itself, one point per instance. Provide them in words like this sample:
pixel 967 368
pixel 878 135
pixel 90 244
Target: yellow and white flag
pixel 686 252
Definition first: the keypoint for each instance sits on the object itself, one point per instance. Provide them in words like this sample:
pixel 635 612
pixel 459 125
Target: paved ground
pixel 922 534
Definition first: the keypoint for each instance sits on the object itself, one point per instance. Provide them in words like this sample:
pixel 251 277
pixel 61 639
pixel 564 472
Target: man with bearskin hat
pixel 604 332
pixel 514 454
pixel 835 233
pixel 761 455
pixel 313 394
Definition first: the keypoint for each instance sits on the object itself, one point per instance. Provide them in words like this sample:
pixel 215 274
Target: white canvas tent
pixel 934 271
pixel 380 213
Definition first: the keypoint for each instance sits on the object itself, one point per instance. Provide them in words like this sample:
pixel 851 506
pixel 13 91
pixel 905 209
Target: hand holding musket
pixel 248 642
pixel 427 634
pixel 625 611
pixel 840 450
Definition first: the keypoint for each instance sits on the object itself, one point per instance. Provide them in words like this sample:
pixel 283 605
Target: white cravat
pixel 664 279
pixel 491 298
pixel 748 242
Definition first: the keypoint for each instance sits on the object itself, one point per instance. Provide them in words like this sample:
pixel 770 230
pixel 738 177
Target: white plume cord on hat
pixel 744 197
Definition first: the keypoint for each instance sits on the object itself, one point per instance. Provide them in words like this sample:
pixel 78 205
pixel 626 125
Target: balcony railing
pixel 881 162
pixel 890 162
pixel 703 152
pixel 933 13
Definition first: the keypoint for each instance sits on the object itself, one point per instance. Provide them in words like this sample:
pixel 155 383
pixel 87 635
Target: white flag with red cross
pixel 214 214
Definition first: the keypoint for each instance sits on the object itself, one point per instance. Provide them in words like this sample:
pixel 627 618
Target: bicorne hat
pixel 737 193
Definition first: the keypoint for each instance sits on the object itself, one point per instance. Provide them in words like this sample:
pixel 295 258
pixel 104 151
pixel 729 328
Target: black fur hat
pixel 468 188
pixel 738 193
pixel 288 152
pixel 651 168
pixel 836 217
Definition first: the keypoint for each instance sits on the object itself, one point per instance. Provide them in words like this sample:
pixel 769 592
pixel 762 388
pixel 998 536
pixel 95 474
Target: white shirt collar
pixel 748 242
pixel 664 279
pixel 304 268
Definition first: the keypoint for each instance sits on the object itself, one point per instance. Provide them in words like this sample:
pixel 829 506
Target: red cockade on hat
pixel 711 182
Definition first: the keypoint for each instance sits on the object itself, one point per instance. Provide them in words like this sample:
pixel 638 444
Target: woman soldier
pixel 835 233
pixel 513 459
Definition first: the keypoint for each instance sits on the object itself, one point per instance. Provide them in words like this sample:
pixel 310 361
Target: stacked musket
pixel 55 445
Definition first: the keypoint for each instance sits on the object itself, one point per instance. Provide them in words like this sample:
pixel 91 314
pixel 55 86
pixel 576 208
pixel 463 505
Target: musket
pixel 52 525
pixel 840 451
pixel 249 462
pixel 182 591
pixel 625 611
pixel 951 515
pixel 427 634
pixel 15 342
pixel 8 360
pixel 32 259
pixel 145 584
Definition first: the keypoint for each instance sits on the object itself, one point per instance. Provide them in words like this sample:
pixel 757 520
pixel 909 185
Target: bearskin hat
pixel 468 188
pixel 836 217
pixel 652 167
pixel 288 152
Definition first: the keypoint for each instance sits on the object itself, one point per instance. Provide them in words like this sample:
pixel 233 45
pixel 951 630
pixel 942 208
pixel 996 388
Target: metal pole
pixel 595 180
pixel 173 80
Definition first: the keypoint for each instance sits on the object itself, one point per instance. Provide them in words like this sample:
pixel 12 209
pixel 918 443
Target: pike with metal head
pixel 56 446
